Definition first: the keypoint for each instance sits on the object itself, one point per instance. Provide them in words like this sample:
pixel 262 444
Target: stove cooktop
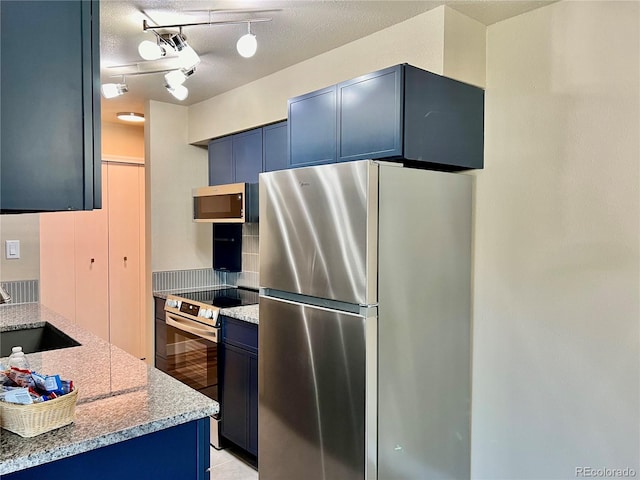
pixel 223 298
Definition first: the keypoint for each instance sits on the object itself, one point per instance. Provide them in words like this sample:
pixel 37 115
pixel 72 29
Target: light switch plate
pixel 12 249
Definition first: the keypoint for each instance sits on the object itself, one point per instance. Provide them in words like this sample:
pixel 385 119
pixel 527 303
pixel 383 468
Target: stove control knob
pixel 201 313
pixel 178 303
pixel 171 303
pixel 209 313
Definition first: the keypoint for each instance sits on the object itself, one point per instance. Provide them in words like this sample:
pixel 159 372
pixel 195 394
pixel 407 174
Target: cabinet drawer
pixel 239 333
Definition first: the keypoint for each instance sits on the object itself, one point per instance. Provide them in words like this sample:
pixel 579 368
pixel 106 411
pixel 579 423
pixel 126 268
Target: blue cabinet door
pixel 221 161
pixel 239 383
pixel 274 147
pixel 234 382
pixel 252 410
pixel 312 128
pixel 50 109
pixel 370 114
pixel 247 156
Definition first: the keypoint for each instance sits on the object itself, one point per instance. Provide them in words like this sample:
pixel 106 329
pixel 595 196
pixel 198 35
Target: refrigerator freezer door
pixel 318 231
pixel 311 417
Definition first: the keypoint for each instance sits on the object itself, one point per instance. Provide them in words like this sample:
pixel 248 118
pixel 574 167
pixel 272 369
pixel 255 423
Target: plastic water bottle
pixel 19 371
pixel 17 359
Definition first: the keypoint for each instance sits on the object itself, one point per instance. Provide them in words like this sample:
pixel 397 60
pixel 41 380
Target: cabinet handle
pixel 93 260
pixel 125 259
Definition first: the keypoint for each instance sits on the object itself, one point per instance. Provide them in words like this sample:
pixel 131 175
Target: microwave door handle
pixel 189 326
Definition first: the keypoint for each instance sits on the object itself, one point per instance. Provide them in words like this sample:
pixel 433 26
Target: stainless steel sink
pixel 38 339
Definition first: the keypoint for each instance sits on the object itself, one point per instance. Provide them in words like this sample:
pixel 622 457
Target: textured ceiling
pixel 298 30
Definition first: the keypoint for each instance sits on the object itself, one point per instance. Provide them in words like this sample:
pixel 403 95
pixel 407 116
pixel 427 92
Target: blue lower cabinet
pixel 239 383
pixel 178 452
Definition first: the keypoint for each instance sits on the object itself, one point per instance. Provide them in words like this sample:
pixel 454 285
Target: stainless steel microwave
pixel 231 203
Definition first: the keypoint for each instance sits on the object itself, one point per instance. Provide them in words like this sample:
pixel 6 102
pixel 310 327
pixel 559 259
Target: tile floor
pixel 226 466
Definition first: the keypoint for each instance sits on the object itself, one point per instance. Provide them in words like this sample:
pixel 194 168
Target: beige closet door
pixel 92 266
pixel 57 263
pixel 127 324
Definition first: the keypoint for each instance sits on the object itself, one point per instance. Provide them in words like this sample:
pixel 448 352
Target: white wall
pixel 175 168
pixel 556 311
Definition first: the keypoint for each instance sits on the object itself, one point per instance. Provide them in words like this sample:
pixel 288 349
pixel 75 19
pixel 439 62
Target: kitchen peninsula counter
pixel 120 398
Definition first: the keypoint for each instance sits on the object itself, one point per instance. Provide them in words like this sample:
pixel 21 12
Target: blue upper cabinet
pixel 443 121
pixel 399 113
pixel 312 128
pixel 275 147
pixel 50 109
pixel 247 155
pixel 221 161
pixel 236 158
pixel 370 115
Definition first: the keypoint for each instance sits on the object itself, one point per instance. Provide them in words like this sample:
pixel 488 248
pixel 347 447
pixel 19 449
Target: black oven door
pixel 192 354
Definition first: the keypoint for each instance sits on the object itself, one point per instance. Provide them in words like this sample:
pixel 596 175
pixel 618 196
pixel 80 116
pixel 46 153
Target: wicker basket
pixel 37 418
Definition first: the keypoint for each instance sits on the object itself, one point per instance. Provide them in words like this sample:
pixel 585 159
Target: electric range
pixel 187 341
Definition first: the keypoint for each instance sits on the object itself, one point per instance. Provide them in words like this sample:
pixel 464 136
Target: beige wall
pixel 418 41
pixel 175 168
pixel 119 140
pixel 556 310
pixel 464 48
pixel 26 228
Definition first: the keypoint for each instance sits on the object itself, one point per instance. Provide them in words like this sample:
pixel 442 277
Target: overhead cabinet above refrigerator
pixel 398 113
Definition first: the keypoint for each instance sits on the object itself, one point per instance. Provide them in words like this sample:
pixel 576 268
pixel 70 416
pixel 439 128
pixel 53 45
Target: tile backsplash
pixel 23 291
pixel 207 277
pixel 194 278
pixel 249 276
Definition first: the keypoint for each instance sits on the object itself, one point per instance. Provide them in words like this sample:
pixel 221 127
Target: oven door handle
pixel 189 326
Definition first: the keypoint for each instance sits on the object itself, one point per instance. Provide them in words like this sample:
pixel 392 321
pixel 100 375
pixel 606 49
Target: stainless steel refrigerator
pixel 364 336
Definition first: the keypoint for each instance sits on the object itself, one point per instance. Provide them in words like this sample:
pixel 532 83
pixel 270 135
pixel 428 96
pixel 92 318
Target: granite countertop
pixel 119 396
pixel 247 313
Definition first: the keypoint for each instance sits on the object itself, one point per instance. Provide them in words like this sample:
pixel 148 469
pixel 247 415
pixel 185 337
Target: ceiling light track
pixel 146 26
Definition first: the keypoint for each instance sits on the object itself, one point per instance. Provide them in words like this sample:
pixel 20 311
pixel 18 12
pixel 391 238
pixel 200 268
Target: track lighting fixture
pixel 112 90
pixel 180 92
pixel 178 77
pixel 247 44
pixel 150 50
pixel 171 45
pixel 187 56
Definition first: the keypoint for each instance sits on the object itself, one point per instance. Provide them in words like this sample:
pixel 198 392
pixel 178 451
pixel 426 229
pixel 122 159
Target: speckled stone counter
pixel 119 396
pixel 247 313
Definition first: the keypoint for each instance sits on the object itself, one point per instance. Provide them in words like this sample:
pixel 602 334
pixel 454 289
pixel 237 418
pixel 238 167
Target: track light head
pixel 111 90
pixel 247 44
pixel 150 50
pixel 180 92
pixel 175 78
